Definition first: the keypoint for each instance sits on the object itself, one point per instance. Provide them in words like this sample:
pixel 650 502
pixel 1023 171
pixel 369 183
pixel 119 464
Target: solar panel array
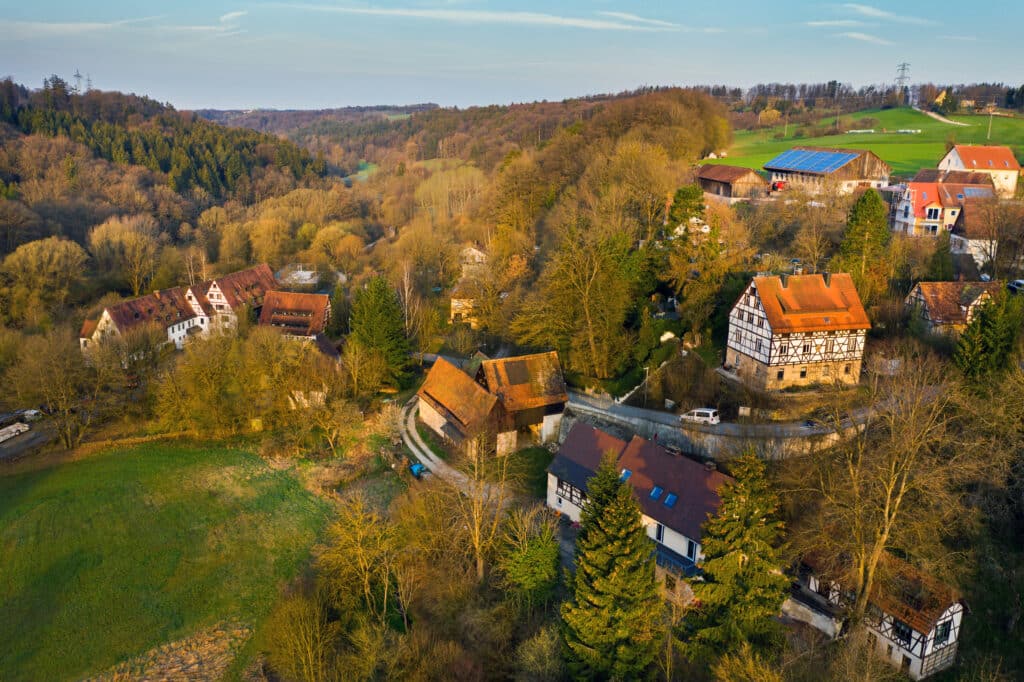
pixel 810 161
pixel 977 192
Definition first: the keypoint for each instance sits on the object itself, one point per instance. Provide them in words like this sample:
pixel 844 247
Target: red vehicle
pixel 778 185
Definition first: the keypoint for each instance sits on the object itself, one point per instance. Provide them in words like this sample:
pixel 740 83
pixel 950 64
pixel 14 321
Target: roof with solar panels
pixel 819 160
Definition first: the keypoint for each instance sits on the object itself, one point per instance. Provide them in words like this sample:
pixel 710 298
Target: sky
pixel 313 54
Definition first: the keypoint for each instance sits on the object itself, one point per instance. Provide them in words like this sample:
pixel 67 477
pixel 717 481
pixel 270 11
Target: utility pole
pixel 991 112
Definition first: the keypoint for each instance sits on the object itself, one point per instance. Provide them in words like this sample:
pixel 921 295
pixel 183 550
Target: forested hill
pixel 484 135
pixel 126 129
pixel 281 121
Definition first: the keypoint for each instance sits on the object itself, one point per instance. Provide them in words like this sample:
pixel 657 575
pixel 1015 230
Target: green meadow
pixel 906 153
pixel 104 558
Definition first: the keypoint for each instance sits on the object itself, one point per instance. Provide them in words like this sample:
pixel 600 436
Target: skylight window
pixel 625 474
pixel 670 500
pixel 656 492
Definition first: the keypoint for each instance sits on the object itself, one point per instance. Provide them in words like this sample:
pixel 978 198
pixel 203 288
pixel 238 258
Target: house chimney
pixel 783 278
pixel 828 278
pixel 710 466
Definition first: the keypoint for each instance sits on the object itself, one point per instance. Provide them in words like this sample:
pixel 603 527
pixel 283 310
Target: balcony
pixel 674 562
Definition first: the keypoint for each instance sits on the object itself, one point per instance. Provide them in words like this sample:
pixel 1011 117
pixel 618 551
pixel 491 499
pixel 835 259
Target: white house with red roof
pixel 676 494
pixel 996 161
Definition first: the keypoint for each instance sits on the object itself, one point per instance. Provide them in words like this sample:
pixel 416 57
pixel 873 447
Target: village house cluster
pixel 214 305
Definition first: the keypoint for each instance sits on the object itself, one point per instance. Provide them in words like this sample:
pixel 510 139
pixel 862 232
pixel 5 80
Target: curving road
pixel 424 454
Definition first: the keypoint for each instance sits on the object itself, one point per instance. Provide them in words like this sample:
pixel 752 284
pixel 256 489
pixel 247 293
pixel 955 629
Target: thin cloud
pixel 864 37
pixel 231 16
pixel 877 13
pixel 625 16
pixel 963 39
pixel 460 16
pixel 835 23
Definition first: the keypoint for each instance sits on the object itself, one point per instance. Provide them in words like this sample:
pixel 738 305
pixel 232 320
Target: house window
pixel 691 550
pixel 656 492
pixel 659 532
pixel 783 350
pixel 807 348
pixel 572 493
pixel 942 632
pixel 846 369
pixel 750 317
pixel 829 346
pixel 760 322
pixel 758 345
pixel 780 375
pixel 888 651
pixel 906 663
pixel 803 372
pixel 906 211
pixel 901 632
pixel 931 229
pixel 851 344
pixel 933 214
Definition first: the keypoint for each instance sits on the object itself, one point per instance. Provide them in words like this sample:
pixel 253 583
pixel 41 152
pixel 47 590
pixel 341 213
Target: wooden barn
pixel 814 169
pixel 731 182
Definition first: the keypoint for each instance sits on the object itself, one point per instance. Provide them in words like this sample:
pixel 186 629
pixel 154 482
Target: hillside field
pixel 906 153
pixel 104 558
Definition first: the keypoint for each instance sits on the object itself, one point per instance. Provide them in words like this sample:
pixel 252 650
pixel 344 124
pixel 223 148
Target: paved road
pixel 424 454
pixel 26 443
pixel 594 404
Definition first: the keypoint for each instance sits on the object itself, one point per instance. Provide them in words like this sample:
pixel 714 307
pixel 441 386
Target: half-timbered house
pixel 948 307
pixel 913 620
pixel 797 331
pixel 676 494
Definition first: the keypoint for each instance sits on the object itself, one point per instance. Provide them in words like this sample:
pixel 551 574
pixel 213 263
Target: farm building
pixel 456 408
pixel 676 494
pixel 301 315
pixel 948 307
pixel 997 162
pixel 532 391
pixel 731 182
pixel 797 331
pixel 814 169
pixel 913 620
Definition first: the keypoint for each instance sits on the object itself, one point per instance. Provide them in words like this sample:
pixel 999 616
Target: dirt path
pixel 423 453
pixel 942 119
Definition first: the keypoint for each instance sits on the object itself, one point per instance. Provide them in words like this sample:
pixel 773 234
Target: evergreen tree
pixel 611 622
pixel 377 323
pixel 687 203
pixel 743 586
pixel 862 252
pixel 940 265
pixel 985 345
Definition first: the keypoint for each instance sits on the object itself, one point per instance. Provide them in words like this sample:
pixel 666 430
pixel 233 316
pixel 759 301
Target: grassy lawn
pixel 105 558
pixel 430 438
pixel 530 466
pixel 905 153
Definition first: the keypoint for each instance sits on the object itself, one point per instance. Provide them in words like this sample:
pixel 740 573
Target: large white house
pixel 998 162
pixel 676 494
pixel 928 208
pixel 912 619
pixel 796 331
pixel 184 311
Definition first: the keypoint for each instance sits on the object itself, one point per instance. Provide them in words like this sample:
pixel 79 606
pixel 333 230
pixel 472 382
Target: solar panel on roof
pixel 810 161
pixel 976 192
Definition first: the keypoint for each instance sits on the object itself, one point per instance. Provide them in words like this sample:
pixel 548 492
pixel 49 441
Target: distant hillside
pixel 905 152
pixel 284 121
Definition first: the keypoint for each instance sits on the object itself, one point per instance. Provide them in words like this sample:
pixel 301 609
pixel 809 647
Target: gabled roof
pixel 459 399
pixel 88 329
pixel 695 486
pixel 948 302
pixel 944 194
pixel 526 381
pixel 817 160
pixel 976 219
pixel 245 287
pixel 296 313
pixel 806 303
pixel 727 174
pixel 917 599
pixel 165 307
pixel 987 157
pixel 581 453
pixel 960 177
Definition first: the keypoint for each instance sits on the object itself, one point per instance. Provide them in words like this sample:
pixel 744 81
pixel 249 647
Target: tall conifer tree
pixel 612 621
pixel 377 323
pixel 743 586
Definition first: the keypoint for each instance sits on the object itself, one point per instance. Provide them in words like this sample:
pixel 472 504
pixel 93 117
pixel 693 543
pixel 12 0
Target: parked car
pixel 1016 286
pixel 13 431
pixel 30 415
pixel 702 415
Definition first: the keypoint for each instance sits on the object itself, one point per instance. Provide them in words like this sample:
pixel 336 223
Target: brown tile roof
pixel 581 452
pixel 88 328
pixel 245 287
pixel 805 303
pixel 987 157
pixel 914 597
pixel 526 381
pixel 948 302
pixel 975 219
pixel 298 314
pixel 166 307
pixel 959 177
pixel 459 399
pixel 695 486
pixel 729 174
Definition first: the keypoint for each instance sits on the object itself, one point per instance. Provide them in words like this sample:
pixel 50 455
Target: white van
pixel 702 415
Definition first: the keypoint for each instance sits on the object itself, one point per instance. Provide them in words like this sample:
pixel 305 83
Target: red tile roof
pixel 525 381
pixel 917 599
pixel 945 194
pixel 695 485
pixel 987 157
pixel 948 302
pixel 88 328
pixel 245 287
pixel 298 314
pixel 166 307
pixel 805 303
pixel 459 399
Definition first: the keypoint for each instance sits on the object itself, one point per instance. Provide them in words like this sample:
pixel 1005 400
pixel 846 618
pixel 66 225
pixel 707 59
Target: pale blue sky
pixel 330 53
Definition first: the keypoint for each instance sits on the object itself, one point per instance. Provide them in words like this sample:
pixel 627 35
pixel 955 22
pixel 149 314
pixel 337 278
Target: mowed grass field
pixel 104 558
pixel 906 153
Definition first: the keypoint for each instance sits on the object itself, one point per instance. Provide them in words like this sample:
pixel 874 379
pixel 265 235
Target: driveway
pixel 424 454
